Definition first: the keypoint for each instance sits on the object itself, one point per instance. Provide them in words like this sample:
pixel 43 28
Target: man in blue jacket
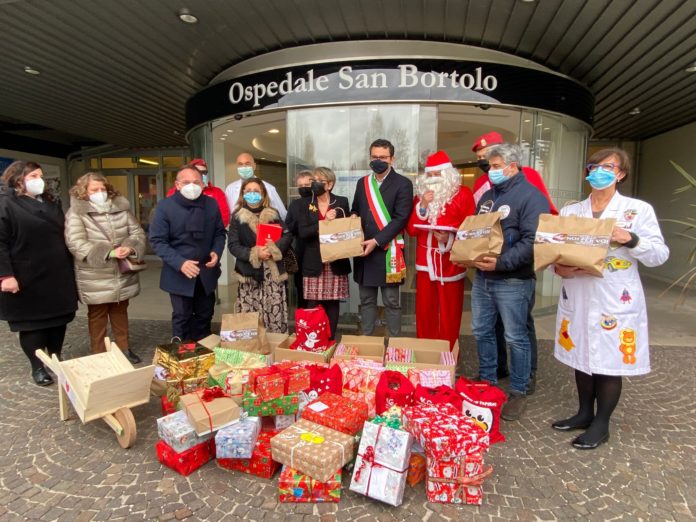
pixel 504 285
pixel 188 234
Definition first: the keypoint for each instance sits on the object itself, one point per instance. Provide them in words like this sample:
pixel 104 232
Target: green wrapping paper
pixel 285 405
pixel 238 358
pixel 398 367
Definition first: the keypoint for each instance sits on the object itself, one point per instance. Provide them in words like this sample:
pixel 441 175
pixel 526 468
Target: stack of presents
pixel 260 403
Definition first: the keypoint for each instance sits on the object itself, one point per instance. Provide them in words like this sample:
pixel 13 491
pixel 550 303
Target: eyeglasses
pixel 608 166
pixel 382 158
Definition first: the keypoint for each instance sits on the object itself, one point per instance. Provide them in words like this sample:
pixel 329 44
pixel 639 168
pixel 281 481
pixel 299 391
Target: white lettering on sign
pixel 409 77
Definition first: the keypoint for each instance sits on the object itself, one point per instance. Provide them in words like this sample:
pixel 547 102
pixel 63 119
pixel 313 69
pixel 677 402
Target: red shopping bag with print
pixel 312 330
pixel 440 395
pixel 393 389
pixel 482 402
pixel 321 380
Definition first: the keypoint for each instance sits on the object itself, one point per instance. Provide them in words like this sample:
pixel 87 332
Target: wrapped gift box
pixel 255 406
pixel 416 469
pixel 188 461
pixel 456 480
pixel 268 387
pixel 241 359
pixel 294 486
pixel 260 464
pixel 217 374
pixel 209 410
pixel 297 379
pixel 382 463
pixel 185 360
pixel 238 440
pixel 313 449
pixel 360 379
pixel 176 430
pixel 337 412
pixel 168 407
pixel 429 378
pixel 280 422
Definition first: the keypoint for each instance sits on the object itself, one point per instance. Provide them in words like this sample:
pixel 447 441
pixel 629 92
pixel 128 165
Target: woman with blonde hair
pixel 260 270
pixel 38 297
pixel 100 231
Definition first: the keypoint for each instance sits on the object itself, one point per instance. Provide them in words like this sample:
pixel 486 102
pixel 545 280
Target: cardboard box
pixel 427 353
pixel 283 352
pixel 369 347
pixel 202 414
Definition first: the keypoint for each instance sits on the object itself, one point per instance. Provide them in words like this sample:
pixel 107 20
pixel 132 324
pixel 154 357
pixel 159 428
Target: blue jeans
pixel 511 300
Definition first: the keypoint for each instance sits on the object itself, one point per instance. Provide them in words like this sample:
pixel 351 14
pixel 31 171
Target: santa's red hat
pixel 492 138
pixel 199 162
pixel 437 161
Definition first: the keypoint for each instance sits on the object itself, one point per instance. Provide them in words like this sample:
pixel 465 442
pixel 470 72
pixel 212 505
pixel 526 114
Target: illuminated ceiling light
pixel 147 162
pixel 539 124
pixel 229 130
pixel 527 121
pixel 273 131
pixel 186 16
pixel 30 70
pixel 691 68
pixel 635 111
pixel 222 139
pixel 547 128
pixel 224 135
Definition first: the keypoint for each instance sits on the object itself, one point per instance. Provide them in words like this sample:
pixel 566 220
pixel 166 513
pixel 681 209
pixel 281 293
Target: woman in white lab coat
pixel 602 324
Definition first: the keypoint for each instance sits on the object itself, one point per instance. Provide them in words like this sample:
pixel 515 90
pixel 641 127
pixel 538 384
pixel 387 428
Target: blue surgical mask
pixel 205 179
pixel 245 172
pixel 252 198
pixel 497 176
pixel 601 178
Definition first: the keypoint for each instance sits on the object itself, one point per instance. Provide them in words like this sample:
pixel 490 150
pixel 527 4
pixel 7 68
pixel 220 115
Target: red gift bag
pixel 322 379
pixel 482 402
pixel 312 330
pixel 393 389
pixel 440 395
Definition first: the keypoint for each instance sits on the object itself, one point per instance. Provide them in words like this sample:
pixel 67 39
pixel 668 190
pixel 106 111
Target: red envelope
pixel 266 231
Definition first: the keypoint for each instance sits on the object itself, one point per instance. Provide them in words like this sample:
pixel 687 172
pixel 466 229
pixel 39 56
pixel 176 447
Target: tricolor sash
pixel 396 265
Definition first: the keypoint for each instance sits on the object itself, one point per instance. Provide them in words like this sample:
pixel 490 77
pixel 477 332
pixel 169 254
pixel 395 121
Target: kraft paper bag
pixel 574 241
pixel 340 238
pixel 478 236
pixel 244 332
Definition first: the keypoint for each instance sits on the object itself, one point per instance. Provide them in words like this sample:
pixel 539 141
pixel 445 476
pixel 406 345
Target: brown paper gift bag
pixel 574 241
pixel 244 332
pixel 478 236
pixel 340 238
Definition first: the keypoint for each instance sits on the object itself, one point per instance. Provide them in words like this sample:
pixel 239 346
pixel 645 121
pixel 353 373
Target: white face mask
pixel 191 191
pixel 99 198
pixel 34 186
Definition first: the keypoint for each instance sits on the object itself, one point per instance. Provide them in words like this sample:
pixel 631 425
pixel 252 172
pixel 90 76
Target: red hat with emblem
pixel 437 161
pixel 199 162
pixel 492 138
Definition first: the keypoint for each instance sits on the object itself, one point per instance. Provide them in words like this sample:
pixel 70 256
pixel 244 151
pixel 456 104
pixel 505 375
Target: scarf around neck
pixel 195 220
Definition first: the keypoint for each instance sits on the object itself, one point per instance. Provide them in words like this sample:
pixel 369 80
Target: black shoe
pixel 41 377
pixel 582 444
pixel 568 425
pixel 132 357
pixel 503 373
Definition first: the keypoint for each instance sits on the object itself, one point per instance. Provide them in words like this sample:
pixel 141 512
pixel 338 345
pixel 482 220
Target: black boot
pixel 132 356
pixel 41 377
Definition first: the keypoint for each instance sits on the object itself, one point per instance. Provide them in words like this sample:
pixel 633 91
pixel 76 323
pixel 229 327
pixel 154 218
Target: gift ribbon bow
pixel 208 395
pixel 463 481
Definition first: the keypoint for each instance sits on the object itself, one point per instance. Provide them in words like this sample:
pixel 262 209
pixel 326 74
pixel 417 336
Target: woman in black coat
pixel 38 297
pixel 324 283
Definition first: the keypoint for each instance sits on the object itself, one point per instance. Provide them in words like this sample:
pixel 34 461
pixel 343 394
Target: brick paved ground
pixel 53 470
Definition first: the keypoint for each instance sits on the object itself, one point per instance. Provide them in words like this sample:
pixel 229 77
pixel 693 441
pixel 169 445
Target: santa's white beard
pixel 443 191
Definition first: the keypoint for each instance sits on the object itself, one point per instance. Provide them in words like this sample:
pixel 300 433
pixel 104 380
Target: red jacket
pixel 483 185
pixel 433 257
pixel 218 195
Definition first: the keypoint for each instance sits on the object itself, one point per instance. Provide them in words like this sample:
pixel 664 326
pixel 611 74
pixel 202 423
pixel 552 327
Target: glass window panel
pixel 118 163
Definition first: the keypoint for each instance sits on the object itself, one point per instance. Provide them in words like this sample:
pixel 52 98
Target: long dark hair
pixel 14 175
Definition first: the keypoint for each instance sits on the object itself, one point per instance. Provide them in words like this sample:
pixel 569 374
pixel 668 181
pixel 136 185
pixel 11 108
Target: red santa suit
pixel 439 282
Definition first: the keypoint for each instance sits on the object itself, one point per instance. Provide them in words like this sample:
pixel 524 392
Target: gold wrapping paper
pixel 316 451
pixel 181 368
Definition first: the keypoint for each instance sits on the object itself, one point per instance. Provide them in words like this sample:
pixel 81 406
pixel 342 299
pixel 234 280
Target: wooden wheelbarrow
pixel 102 386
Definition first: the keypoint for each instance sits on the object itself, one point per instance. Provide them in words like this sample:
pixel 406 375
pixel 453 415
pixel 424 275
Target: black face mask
pixel 378 166
pixel 484 165
pixel 318 188
pixel 305 192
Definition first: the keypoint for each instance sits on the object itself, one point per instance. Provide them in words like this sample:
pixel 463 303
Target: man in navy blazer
pixel 188 234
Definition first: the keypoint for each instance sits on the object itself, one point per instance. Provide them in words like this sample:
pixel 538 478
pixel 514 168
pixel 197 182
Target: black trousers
pixel 191 316
pixel 49 338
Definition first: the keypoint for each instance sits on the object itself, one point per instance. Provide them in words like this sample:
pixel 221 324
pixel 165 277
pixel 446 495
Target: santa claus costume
pixel 439 282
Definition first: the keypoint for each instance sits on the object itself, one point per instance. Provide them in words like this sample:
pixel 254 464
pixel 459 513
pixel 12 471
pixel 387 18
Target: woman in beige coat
pixel 100 230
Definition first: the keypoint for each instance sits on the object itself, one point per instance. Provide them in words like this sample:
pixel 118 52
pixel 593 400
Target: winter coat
pixel 172 242
pixel 99 280
pixel 218 195
pixel 397 194
pixel 520 203
pixel 602 323
pixel 242 245
pixel 483 185
pixel 33 251
pixel 308 236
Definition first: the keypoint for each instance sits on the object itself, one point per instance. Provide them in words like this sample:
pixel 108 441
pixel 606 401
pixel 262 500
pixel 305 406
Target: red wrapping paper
pixel 457 480
pixel 342 414
pixel 360 379
pixel 393 389
pixel 440 395
pixel 260 464
pixel 167 406
pixel 270 387
pixel 188 461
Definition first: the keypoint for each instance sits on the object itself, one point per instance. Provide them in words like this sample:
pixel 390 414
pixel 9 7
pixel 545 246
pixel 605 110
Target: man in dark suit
pixel 383 201
pixel 188 234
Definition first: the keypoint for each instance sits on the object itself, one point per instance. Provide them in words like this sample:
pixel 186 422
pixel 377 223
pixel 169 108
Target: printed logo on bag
pixel 504 210
pixel 339 236
pixel 482 417
pixel 571 239
pixel 486 207
pixel 245 334
pixel 476 233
